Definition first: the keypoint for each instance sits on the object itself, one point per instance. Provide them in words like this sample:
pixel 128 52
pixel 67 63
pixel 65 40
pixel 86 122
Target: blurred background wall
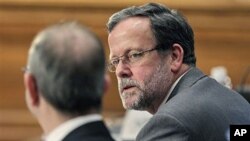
pixel 222 36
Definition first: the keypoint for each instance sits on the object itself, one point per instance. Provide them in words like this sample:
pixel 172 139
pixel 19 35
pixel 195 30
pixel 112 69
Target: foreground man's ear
pixel 31 88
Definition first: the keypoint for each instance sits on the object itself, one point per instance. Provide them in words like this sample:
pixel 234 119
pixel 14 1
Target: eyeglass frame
pixel 127 58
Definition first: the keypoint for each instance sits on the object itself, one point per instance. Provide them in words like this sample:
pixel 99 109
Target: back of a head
pixel 168 27
pixel 68 63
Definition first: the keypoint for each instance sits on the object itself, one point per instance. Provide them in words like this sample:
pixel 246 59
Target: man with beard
pixel 152 55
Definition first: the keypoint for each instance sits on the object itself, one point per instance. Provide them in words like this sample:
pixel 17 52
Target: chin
pixel 129 105
pixel 133 106
pixel 130 102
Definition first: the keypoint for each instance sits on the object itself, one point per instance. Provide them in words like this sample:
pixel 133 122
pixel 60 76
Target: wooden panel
pixel 21 20
pixel 219 20
pixel 234 56
pixel 16 133
pixel 222 34
pixel 242 5
pixel 17 125
pixel 20 125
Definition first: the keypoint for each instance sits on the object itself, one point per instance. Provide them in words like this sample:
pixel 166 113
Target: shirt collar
pixel 171 90
pixel 64 129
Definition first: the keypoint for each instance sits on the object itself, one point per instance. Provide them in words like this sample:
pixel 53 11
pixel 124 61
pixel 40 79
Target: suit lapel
pixel 189 79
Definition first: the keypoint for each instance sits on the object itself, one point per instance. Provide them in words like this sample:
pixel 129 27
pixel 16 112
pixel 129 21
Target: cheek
pixel 142 74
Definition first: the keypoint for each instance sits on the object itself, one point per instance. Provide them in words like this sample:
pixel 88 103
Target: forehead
pixel 133 33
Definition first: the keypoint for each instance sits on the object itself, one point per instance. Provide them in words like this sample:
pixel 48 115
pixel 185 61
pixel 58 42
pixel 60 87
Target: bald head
pixel 67 40
pixel 68 63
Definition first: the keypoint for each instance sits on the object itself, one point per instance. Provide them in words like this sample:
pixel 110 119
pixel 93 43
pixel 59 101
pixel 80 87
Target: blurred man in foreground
pixel 65 81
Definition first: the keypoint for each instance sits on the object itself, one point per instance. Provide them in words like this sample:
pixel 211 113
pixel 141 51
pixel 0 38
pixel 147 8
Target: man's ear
pixel 31 88
pixel 107 82
pixel 177 56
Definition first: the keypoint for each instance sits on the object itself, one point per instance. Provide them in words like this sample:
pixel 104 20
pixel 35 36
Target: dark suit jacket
pixel 94 131
pixel 199 109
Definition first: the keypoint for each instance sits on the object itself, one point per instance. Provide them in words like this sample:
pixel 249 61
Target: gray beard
pixel 154 89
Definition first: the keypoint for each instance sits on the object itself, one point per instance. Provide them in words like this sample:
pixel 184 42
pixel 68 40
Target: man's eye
pixel 135 55
pixel 114 62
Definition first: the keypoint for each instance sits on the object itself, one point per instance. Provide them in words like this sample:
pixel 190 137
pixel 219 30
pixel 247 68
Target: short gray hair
pixel 168 27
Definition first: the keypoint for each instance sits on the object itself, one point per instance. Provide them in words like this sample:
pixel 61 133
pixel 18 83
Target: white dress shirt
pixel 64 129
pixel 171 89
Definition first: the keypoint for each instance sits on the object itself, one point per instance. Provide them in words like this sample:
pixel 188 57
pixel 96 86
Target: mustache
pixel 125 82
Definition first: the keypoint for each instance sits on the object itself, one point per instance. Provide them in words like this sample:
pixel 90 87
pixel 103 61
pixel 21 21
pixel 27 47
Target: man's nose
pixel 123 69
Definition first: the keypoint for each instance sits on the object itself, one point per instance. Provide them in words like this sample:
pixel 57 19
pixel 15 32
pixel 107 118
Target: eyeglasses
pixel 130 58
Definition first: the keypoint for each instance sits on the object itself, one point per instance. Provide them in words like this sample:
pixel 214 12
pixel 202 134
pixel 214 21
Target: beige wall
pixel 222 34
